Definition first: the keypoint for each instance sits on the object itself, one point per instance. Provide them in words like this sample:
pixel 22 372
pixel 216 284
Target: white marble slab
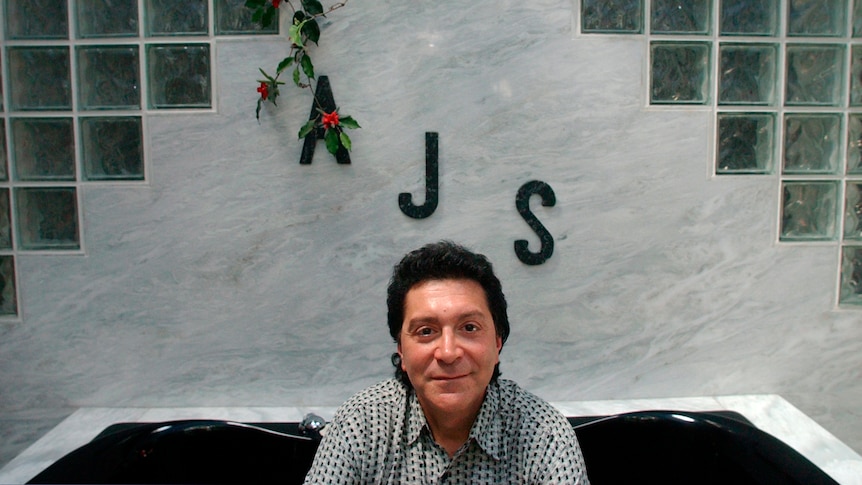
pixel 770 413
pixel 776 416
pixel 234 275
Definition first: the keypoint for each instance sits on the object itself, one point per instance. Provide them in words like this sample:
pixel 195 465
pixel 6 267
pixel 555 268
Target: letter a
pixel 326 101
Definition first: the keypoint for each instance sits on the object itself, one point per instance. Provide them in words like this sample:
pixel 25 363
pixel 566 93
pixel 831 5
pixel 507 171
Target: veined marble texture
pixel 237 277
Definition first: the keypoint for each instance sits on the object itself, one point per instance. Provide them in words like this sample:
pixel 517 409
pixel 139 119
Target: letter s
pixel 522 202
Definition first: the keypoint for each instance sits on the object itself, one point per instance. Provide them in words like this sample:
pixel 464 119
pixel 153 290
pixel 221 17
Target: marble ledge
pixel 769 412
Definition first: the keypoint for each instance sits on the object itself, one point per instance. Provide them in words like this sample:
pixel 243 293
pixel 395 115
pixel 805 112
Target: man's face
pixel 448 344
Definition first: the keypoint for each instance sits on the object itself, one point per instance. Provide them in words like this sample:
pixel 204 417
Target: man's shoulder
pixel 519 403
pixel 382 395
pixel 511 392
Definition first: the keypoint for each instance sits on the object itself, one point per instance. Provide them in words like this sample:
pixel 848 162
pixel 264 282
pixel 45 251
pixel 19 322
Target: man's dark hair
pixel 439 261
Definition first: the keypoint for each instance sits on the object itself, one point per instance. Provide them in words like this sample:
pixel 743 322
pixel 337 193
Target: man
pixel 446 417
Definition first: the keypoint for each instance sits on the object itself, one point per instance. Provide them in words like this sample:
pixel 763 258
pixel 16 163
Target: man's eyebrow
pixel 472 314
pixel 469 314
pixel 421 321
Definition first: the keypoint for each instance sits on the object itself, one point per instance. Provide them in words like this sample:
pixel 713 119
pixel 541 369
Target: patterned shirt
pixel 381 436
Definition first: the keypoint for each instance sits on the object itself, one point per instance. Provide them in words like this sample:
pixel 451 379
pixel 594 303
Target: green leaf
pixel 255 3
pixel 267 76
pixel 331 138
pixel 307 67
pixel 313 7
pixel 268 16
pixel 295 33
pixel 311 30
pixel 299 16
pixel 284 64
pixel 307 128
pixel 296 76
pixel 345 140
pixel 256 16
pixel 348 122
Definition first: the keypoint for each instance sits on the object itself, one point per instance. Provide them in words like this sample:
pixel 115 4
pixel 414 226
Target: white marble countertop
pixel 770 413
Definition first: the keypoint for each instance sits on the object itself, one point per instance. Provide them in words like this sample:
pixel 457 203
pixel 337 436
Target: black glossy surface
pixel 186 452
pixel 668 447
pixel 675 447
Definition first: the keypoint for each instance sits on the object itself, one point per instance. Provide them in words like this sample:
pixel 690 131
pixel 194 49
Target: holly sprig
pixel 303 31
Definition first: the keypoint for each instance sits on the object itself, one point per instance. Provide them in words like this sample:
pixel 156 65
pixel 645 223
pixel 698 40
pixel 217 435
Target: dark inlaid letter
pixel 405 200
pixel 522 202
pixel 326 101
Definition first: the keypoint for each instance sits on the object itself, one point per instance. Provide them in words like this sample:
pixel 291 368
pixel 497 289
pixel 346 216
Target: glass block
pixel 680 72
pixel 816 18
pixel 680 16
pixel 39 78
pixel 47 218
pixel 4 170
pixel 170 17
pixel 815 74
pixel 854 144
pixel 232 17
pixel 812 143
pixel 853 211
pixel 851 275
pixel 745 143
pixel 612 16
pixel 8 295
pixel 43 148
pixel 857 18
pixel 5 225
pixel 856 76
pixel 179 75
pixel 108 77
pixel 749 17
pixel 37 19
pixel 809 210
pixel 112 148
pixel 107 18
pixel 747 73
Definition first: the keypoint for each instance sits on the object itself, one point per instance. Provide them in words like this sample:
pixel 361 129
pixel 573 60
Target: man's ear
pixel 400 356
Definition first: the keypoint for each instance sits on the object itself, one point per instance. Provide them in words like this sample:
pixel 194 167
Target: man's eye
pixel 471 327
pixel 425 331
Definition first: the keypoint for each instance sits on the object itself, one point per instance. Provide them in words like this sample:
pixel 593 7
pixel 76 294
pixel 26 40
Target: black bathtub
pixel 668 447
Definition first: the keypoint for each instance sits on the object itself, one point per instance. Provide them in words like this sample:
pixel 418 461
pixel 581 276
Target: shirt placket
pixel 455 470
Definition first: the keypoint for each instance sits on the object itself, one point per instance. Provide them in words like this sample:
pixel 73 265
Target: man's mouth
pixel 448 378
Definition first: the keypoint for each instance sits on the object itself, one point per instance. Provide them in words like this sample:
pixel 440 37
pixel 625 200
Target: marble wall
pixel 237 277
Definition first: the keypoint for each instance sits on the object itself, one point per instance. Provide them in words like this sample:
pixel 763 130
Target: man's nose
pixel 449 349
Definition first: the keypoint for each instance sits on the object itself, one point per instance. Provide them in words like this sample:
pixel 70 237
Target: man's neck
pixel 451 434
pixel 451 429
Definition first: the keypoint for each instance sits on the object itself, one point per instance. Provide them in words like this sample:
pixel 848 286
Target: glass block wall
pixel 783 79
pixel 79 79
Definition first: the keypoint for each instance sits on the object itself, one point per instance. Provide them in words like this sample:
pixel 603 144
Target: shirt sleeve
pixel 555 455
pixel 335 461
pixel 563 462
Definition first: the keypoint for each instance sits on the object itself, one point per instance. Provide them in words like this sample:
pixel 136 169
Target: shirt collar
pixel 416 422
pixel 486 430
